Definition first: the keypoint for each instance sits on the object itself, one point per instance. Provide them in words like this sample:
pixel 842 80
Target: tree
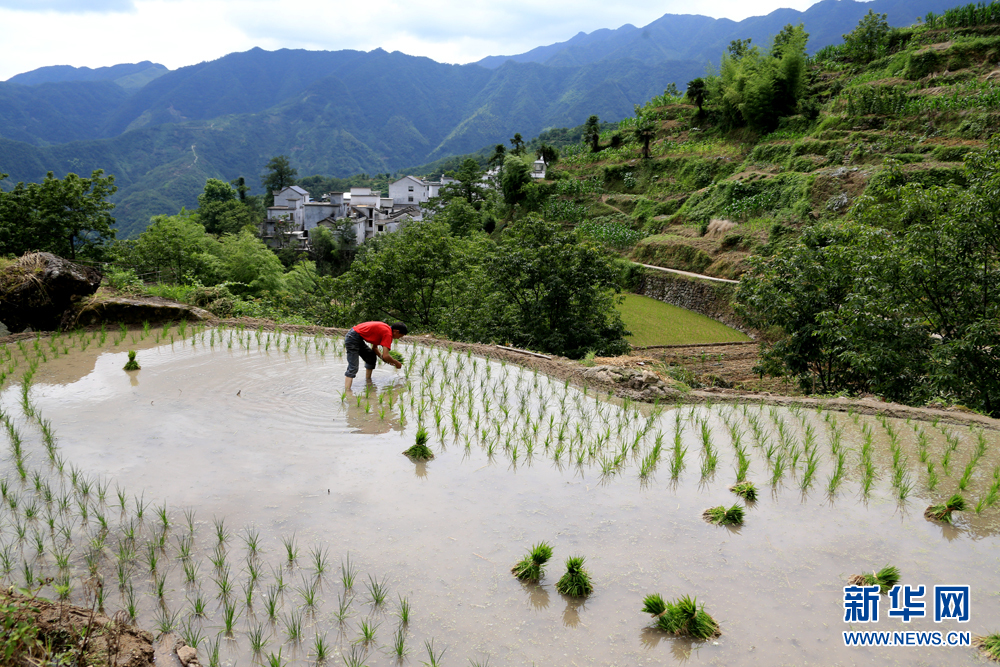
pixel 177 244
pixel 789 37
pixel 498 156
pixel 333 250
pixel 62 216
pixel 868 40
pixel 410 275
pixel 902 302
pixel 551 292
pixel 220 210
pixel 645 132
pixel 592 133
pixel 518 144
pixel 240 184
pixel 469 184
pixel 514 177
pixel 246 260
pixel 697 92
pixel 460 216
pixel 738 48
pixel 279 175
pixel 548 153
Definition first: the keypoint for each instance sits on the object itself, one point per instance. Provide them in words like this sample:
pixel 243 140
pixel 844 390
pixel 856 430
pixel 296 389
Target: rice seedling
pixel 229 617
pixel 989 645
pixel 530 568
pixel 355 656
pixel 721 516
pixel 681 617
pixel 420 451
pixel 343 608
pixel 885 579
pixel 221 532
pixel 943 512
pixel 308 593
pixel 191 634
pixel 777 468
pixel 291 550
pixel 367 627
pixel 190 572
pixel 576 582
pixel 399 643
pixel 165 621
pixel 837 476
pixel 198 605
pixel 377 591
pixel 745 490
pixel 293 627
pixel 433 658
pixel 347 572
pixel 132 364
pixel 403 611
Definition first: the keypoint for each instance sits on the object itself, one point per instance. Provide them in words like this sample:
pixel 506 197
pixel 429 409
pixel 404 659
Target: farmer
pixel 380 335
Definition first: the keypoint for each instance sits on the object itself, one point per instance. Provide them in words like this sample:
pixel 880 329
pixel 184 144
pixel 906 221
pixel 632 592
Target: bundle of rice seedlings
pixel 420 451
pixel 681 617
pixel 529 568
pixel 745 490
pixel 398 356
pixel 576 581
pixel 885 579
pixel 131 364
pixel 721 516
pixel 943 512
pixel 989 645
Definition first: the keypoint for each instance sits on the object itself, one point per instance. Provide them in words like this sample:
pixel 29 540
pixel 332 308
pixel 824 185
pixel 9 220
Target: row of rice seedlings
pixel 152 560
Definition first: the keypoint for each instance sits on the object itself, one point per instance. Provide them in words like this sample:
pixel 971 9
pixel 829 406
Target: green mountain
pixel 126 75
pixel 346 112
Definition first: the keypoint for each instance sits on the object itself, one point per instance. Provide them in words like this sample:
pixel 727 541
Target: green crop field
pixel 653 322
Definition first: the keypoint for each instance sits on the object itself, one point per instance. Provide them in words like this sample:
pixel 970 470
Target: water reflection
pixel 538 595
pixel 571 614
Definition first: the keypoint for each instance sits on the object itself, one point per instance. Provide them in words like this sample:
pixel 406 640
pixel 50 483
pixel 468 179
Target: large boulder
pixel 639 383
pixel 131 310
pixel 39 288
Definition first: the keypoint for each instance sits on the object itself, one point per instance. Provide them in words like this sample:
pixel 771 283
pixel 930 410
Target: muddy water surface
pixel 265 439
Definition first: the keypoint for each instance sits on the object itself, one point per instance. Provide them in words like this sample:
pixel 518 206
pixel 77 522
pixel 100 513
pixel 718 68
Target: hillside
pixel 709 198
pixel 347 112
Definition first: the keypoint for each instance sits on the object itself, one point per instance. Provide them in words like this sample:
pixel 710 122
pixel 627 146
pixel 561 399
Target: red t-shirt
pixel 376 333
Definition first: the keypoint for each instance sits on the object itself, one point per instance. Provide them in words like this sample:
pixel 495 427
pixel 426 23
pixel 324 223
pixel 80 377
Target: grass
pixel 530 568
pixel 653 322
pixel 943 512
pixel 885 579
pixel 681 617
pixel 576 582
pixel 721 516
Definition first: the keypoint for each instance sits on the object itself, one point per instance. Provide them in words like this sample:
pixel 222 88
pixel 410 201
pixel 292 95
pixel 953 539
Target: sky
pixel 175 33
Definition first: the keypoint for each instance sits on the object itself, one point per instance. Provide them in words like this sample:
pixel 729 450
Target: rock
pixel 132 310
pixel 644 384
pixel 187 655
pixel 39 288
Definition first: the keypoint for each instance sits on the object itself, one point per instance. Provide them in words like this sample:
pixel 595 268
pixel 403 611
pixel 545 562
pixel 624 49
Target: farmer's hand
pixel 395 363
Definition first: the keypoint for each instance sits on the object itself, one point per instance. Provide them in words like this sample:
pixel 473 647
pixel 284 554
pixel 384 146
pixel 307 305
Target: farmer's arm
pixel 384 355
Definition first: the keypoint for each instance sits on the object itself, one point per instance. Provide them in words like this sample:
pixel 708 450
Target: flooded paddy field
pixel 230 492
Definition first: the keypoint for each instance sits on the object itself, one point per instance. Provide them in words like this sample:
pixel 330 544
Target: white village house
pixel 294 213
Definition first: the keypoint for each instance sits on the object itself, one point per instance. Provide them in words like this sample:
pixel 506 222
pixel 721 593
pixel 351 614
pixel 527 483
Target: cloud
pixel 97 33
pixel 70 6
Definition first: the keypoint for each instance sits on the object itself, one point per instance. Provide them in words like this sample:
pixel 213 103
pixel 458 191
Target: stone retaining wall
pixel 712 300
